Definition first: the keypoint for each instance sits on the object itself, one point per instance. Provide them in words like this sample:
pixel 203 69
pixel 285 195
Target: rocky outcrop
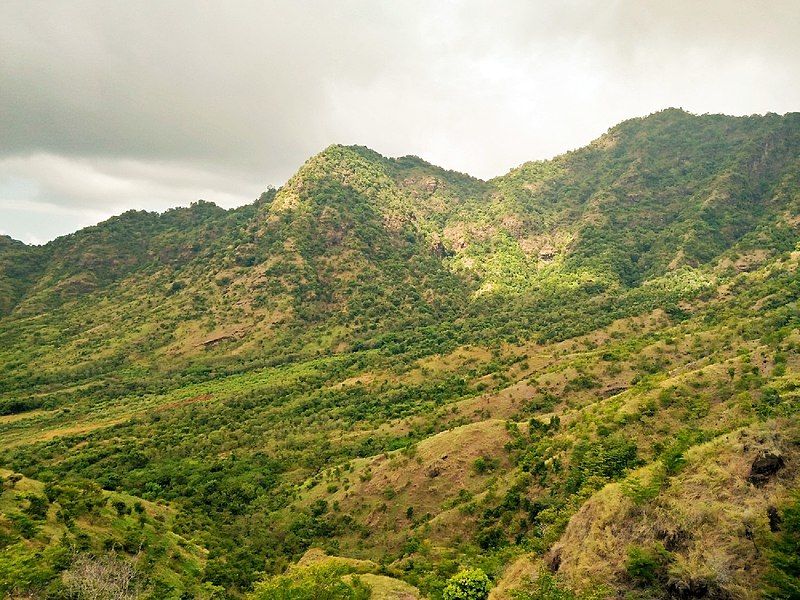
pixel 764 467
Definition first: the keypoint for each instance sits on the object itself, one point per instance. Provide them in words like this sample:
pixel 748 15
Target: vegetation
pixel 388 378
pixel 313 584
pixel 784 575
pixel 470 584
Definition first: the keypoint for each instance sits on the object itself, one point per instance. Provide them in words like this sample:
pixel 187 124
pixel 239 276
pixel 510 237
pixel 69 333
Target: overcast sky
pixel 110 105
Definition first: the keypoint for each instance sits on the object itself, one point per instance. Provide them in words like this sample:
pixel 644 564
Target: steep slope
pixel 653 194
pixel 20 267
pixel 341 235
pixel 356 238
pixel 97 257
pixel 45 527
pixel 704 527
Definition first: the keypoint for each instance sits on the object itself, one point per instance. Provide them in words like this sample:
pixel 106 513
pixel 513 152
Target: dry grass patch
pixel 710 518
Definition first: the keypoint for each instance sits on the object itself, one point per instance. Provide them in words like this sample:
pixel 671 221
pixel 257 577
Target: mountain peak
pixel 357 167
pixel 7 240
pixel 342 152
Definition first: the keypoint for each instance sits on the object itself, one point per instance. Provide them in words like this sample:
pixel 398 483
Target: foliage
pixel 315 583
pixel 647 566
pixel 218 391
pixel 784 577
pixel 547 586
pixel 469 584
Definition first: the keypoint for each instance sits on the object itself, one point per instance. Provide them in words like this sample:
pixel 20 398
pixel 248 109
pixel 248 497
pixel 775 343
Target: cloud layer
pixel 106 106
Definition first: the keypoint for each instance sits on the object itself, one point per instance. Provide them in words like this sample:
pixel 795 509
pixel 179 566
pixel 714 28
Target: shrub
pixel 491 537
pixel 121 508
pixel 770 400
pixel 469 584
pixel 647 566
pixel 594 462
pixel 485 464
pixel 37 507
pixel 641 492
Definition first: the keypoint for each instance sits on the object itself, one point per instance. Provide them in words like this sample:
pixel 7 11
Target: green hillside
pixel 581 378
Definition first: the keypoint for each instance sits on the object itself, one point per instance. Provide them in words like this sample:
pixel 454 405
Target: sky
pixel 110 105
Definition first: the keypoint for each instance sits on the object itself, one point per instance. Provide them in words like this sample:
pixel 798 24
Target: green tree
pixel 469 584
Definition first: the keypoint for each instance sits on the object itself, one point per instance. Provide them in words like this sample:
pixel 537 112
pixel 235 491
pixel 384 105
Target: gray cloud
pixel 108 105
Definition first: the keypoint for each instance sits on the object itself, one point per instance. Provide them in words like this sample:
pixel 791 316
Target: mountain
pixel 580 378
pixel 20 265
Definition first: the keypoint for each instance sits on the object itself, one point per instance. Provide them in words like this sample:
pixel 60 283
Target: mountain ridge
pixel 417 159
pixel 404 185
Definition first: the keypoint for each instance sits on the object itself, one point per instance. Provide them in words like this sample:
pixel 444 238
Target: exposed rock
pixel 513 225
pixel 673 539
pixel 439 249
pixel 695 588
pixel 553 562
pixel 547 253
pixel 764 467
pixel 613 391
pixel 774 519
pixel 77 285
pixel 216 340
pixel 687 589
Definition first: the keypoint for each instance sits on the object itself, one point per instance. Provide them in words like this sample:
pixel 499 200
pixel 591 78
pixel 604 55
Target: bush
pixel 770 401
pixel 607 459
pixel 641 492
pixel 491 538
pixel 469 584
pixel 37 507
pixel 485 464
pixel 647 566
